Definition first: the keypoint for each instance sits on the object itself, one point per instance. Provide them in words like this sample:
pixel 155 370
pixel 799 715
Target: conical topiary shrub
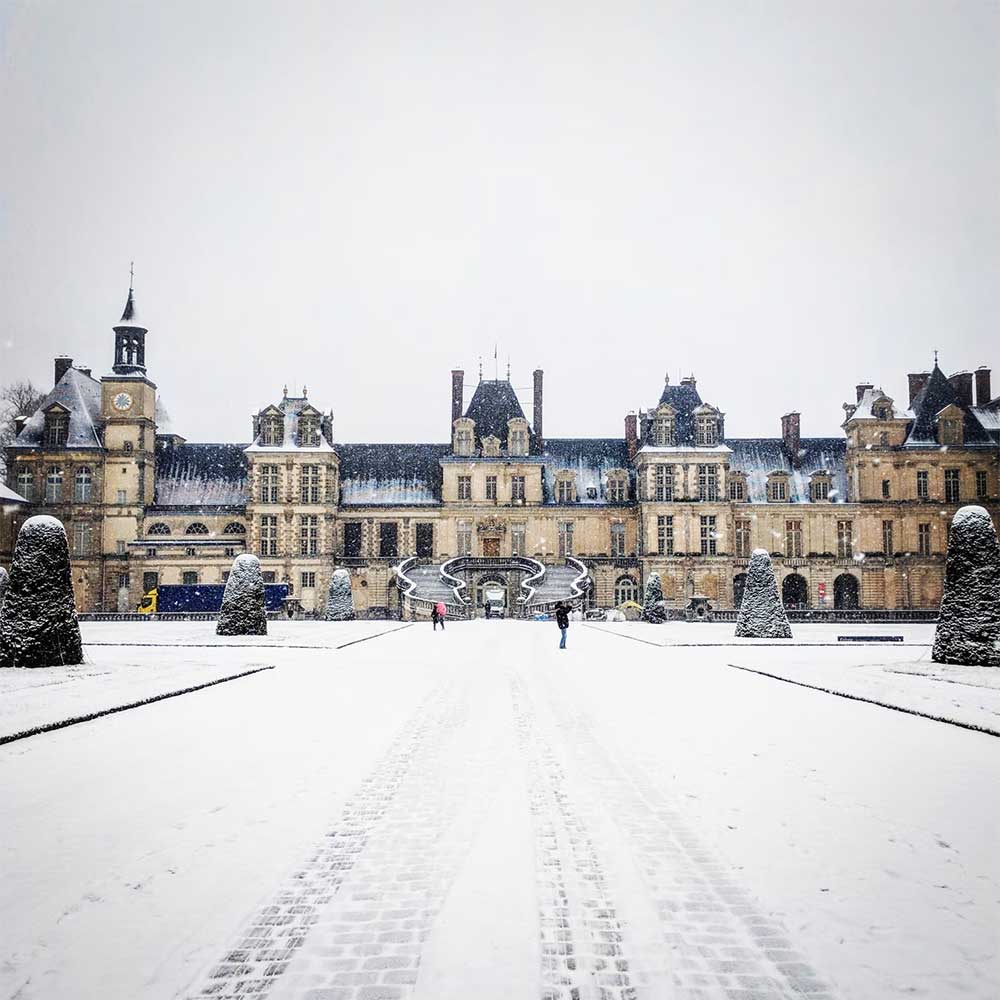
pixel 340 600
pixel 653 607
pixel 762 615
pixel 243 602
pixel 968 629
pixel 38 626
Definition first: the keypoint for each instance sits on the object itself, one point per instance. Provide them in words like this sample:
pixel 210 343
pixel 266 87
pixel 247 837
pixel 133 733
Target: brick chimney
pixel 862 387
pixel 982 385
pixel 917 381
pixel 790 437
pixel 457 389
pixel 631 436
pixel 63 365
pixel 961 382
pixel 537 421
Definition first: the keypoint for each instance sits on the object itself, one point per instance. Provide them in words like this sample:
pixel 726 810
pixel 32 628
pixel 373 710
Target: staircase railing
pixel 456 608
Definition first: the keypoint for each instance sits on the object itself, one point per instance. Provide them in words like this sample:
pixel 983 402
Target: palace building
pixel 854 521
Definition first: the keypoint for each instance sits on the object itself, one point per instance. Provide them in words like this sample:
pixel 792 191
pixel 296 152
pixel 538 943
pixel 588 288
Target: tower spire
pixel 130 335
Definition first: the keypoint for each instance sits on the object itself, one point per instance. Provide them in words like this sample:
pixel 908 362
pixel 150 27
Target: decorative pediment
pixel 491 526
pixel 55 408
pixel 951 412
pixel 491 446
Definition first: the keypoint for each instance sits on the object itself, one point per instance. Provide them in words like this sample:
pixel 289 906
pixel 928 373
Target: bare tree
pixel 16 399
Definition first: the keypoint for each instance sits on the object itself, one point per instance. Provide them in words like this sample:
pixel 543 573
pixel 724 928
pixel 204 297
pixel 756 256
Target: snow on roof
pixel 8 496
pixel 493 404
pixel 989 418
pixel 130 315
pixel 200 475
pixel 81 396
pixel 590 460
pixel 292 408
pixel 866 407
pixel 757 458
pixel 397 474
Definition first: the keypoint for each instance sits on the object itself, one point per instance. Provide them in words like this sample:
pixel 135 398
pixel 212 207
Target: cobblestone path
pixel 715 943
pixel 350 923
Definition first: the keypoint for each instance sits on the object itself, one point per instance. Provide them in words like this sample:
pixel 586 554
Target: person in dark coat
pixel 562 620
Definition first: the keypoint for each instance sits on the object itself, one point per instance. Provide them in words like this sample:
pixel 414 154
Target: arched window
pixel 159 529
pixel 234 528
pixel 83 484
pixel 53 485
pixel 196 528
pixel 26 482
pixel 626 589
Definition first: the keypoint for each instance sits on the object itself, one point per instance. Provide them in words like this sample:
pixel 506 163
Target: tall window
pixel 517 487
pixel 517 443
pixel 308 534
pixel 465 487
pixel 708 482
pixel 273 432
pixel 793 539
pixel 517 532
pixel 309 432
pixel 309 484
pixel 924 539
pixel 82 538
pixel 737 488
pixel 617 491
pixel 53 485
pixel 888 546
pixel 665 535
pixel 56 429
pixel 26 482
pixel 708 535
pixel 742 538
pixel 618 539
pixel 491 487
pixel 923 485
pixel 82 484
pixel 663 430
pixel 845 539
pixel 707 431
pixel 951 490
pixel 465 538
pixel 121 496
pixel 565 539
pixel 663 483
pixel 886 489
pixel 981 487
pixel 388 538
pixel 269 481
pixel 269 535
pixel 564 490
pixel 352 538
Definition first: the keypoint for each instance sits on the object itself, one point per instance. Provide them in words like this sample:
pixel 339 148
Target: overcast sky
pixel 782 198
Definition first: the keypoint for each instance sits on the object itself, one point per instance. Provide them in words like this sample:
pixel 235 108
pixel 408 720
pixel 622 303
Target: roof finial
pixel 508 369
pixel 284 390
pixel 131 274
pixel 305 392
pixel 480 368
pixel 667 379
pixel 935 357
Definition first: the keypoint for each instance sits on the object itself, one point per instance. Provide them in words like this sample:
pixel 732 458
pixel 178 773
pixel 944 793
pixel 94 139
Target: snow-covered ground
pixel 476 813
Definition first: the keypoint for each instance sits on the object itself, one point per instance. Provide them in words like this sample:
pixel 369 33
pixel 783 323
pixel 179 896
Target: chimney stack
pixel 790 436
pixel 537 422
pixel 457 389
pixel 982 385
pixel 631 436
pixel 63 365
pixel 961 382
pixel 862 387
pixel 917 381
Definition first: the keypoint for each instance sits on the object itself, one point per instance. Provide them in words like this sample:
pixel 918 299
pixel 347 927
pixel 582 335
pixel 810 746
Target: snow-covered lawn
pixel 476 814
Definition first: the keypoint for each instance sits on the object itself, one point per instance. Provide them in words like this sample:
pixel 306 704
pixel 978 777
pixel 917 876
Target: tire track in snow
pixel 584 947
pixel 717 942
pixel 351 921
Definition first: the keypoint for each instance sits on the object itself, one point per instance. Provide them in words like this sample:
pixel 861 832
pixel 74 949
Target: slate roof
pixel 684 399
pixel 989 419
pixel 401 474
pixel 758 457
pixel 8 496
pixel 130 316
pixel 929 402
pixel 865 408
pixel 200 475
pixel 81 396
pixel 494 403
pixel 590 460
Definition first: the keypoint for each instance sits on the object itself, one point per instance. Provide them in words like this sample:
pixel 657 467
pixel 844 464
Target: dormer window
pixel 491 447
pixel 819 487
pixel 309 431
pixel 737 487
pixel 517 436
pixel 706 431
pixel 883 411
pixel 777 488
pixel 272 431
pixel 617 486
pixel 950 430
pixel 565 488
pixel 464 436
pixel 56 428
pixel 665 428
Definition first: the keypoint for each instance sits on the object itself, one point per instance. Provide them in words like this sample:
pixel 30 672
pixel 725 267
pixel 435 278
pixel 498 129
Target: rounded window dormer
pixel 464 436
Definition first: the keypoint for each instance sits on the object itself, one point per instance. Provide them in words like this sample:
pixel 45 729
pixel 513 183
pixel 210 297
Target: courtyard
pixel 371 810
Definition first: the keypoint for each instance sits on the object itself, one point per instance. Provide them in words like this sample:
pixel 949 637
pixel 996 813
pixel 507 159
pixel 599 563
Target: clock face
pixel 123 401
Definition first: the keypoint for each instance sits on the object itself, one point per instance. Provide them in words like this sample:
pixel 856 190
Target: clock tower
pixel 128 408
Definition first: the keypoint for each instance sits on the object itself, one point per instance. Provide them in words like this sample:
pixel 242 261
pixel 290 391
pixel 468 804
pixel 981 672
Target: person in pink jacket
pixel 438 614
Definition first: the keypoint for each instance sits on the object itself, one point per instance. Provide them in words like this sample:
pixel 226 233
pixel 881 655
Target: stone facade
pixel 858 520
